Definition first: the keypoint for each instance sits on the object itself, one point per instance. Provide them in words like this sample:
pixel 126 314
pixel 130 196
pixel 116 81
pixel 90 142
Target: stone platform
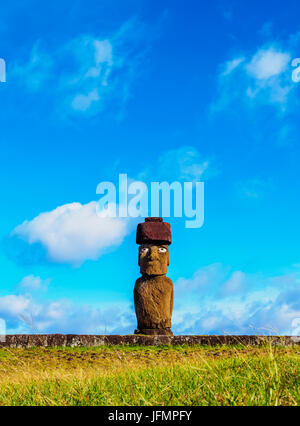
pixel 75 340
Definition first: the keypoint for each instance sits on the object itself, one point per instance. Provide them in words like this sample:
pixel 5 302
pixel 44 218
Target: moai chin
pixel 153 291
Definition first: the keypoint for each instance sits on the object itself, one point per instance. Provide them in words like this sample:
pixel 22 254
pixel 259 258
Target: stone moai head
pixel 154 237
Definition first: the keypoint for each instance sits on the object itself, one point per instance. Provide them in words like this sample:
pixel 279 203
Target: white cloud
pixel 73 233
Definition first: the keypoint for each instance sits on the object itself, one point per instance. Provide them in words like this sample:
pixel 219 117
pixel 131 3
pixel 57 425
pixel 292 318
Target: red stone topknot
pixel 153 231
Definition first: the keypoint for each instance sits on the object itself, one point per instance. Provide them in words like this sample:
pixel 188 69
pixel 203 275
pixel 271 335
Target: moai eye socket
pixel 144 249
pixel 162 250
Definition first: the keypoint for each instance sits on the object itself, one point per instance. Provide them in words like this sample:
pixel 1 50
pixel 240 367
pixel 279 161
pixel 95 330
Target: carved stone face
pixel 153 259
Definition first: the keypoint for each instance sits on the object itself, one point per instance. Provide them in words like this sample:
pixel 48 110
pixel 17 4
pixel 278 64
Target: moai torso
pixel 153 299
pixel 154 292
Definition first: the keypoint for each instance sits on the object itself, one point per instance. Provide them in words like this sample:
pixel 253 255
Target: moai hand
pixel 153 291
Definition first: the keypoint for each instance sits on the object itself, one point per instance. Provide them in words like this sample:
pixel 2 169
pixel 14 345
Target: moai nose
pixel 153 253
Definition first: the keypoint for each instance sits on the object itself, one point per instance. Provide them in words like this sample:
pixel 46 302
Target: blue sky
pixel 99 88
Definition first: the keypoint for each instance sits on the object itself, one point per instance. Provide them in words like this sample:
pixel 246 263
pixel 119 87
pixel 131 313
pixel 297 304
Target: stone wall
pixel 73 340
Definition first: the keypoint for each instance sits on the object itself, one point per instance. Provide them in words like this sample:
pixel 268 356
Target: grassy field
pixel 235 375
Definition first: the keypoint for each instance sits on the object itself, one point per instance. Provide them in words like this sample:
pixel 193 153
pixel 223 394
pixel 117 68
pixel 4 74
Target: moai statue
pixel 153 291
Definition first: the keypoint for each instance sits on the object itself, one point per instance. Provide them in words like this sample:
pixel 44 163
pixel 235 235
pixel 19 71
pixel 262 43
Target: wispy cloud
pixel 215 300
pixel 220 300
pixel 32 283
pixel 31 313
pixel 254 188
pixel 25 314
pixel 287 135
pixel 36 71
pixel 12 305
pixel 262 78
pixel 267 63
pixel 231 65
pixel 86 74
pixel 185 163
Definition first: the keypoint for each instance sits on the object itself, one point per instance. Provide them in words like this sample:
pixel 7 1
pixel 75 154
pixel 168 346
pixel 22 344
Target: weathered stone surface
pixel 154 331
pixel 153 259
pixel 153 230
pixel 153 291
pixel 71 340
pixel 153 300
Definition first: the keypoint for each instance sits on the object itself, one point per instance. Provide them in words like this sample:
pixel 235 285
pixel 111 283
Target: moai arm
pixel 137 306
pixel 172 300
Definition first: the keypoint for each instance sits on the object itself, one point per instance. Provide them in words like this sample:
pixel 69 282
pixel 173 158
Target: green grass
pixel 222 375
